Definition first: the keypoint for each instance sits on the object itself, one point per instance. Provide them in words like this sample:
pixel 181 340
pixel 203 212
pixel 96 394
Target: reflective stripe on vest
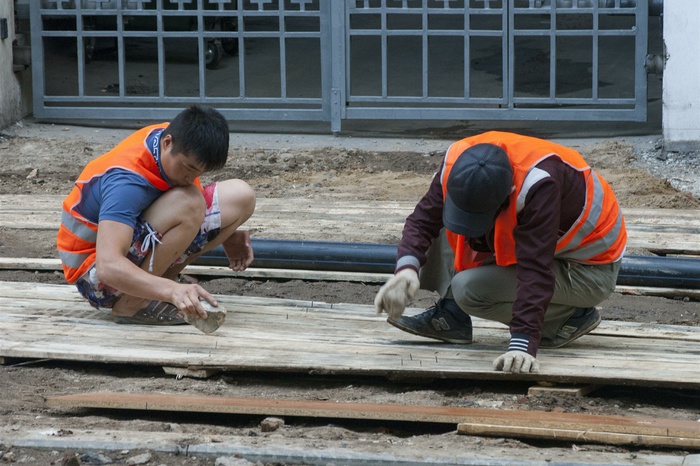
pixel 533 177
pixel 573 248
pixel 599 246
pixel 78 228
pixel 588 227
pixel 70 259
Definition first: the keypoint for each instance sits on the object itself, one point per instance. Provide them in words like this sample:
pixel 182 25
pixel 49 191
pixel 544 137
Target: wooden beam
pixel 561 390
pixel 671 293
pixel 26 263
pixel 192 372
pixel 583 434
pixel 476 421
pixel 23 263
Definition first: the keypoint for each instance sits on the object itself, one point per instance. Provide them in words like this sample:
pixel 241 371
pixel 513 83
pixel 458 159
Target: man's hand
pixel 395 293
pixel 189 298
pixel 516 362
pixel 238 250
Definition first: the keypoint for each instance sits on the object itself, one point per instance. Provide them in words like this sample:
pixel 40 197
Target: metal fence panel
pixel 333 60
pixel 496 59
pixel 252 59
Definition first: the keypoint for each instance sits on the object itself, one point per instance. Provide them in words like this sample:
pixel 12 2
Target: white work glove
pixel 393 296
pixel 516 362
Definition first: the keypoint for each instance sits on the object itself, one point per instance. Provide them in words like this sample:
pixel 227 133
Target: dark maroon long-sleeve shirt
pixel 551 207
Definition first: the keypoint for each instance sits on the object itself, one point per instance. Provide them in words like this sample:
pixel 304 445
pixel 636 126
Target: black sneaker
pixel 444 321
pixel 576 327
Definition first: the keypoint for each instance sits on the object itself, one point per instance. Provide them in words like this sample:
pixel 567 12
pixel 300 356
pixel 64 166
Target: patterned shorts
pixel 101 296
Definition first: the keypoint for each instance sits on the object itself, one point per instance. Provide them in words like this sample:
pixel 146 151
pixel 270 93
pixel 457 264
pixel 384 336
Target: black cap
pixel 479 183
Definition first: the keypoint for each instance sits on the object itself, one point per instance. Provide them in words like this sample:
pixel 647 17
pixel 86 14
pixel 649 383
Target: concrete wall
pixel 681 81
pixel 15 86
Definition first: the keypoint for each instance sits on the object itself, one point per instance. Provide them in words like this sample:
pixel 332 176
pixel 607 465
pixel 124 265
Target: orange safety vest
pixel 598 236
pixel 77 235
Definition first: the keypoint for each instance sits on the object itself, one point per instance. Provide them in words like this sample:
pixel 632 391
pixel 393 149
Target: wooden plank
pixel 538 424
pixel 265 334
pixel 661 231
pixel 578 392
pixel 274 217
pixel 357 210
pixel 660 292
pixel 193 372
pixel 643 215
pixel 23 263
pixel 590 434
pixel 26 263
pixel 290 274
pixel 56 296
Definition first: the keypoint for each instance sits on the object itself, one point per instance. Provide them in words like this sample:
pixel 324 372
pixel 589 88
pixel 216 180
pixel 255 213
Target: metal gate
pixel 333 60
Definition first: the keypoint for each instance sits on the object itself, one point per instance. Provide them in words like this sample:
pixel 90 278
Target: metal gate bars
pixel 331 60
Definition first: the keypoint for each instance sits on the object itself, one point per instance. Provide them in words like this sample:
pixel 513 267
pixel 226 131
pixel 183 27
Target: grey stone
pixel 143 458
pixel 95 458
pixel 232 461
pixel 271 424
pixel 215 318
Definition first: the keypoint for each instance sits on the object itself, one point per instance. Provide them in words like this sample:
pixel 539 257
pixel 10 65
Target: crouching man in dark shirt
pixel 513 229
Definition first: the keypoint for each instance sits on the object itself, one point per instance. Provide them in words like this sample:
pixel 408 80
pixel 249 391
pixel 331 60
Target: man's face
pixel 180 168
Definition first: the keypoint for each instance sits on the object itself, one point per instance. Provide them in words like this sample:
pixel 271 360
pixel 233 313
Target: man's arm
pixel 551 207
pixel 422 226
pixel 114 269
pixel 536 239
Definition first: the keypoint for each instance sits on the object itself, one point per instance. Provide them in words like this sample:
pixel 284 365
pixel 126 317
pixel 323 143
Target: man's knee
pixel 177 206
pixel 484 285
pixel 463 290
pixel 467 280
pixel 190 204
pixel 237 197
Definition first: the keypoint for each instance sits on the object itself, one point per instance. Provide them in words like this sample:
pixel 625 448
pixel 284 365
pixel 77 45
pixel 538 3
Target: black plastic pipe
pixel 652 271
pixel 662 272
pixel 314 255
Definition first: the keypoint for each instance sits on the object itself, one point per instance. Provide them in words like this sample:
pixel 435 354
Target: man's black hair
pixel 201 132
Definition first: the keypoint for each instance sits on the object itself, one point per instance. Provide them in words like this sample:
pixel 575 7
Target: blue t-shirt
pixel 121 195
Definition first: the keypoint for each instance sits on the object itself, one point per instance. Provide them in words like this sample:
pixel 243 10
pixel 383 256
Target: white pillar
pixel 681 78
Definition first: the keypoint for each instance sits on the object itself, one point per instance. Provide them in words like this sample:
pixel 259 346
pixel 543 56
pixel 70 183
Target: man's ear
pixel 166 142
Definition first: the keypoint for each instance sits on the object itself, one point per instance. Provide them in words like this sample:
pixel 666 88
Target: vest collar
pixel 153 146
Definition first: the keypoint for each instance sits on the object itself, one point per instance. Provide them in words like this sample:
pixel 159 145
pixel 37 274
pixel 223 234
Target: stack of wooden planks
pixel 262 334
pixel 580 428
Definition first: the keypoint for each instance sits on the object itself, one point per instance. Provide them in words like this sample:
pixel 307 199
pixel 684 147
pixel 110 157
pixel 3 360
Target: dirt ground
pixel 45 160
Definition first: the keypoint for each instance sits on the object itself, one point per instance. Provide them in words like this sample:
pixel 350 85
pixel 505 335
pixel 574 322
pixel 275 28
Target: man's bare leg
pixel 237 204
pixel 177 215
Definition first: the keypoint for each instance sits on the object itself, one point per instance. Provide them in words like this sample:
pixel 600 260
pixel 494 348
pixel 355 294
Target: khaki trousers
pixel 488 291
